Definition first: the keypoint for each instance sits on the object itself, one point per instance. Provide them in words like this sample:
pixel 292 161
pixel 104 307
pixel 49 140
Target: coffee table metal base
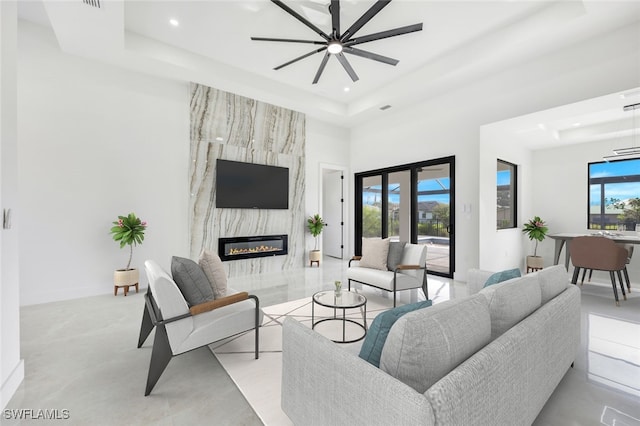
pixel 361 303
pixel 344 323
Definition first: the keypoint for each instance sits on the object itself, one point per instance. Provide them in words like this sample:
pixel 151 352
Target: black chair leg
pixel 626 277
pixel 584 272
pixel 146 327
pixel 576 271
pixel 590 274
pixel 615 290
pixel 624 295
pixel 257 327
pixel 349 285
pixel 425 288
pixel 160 357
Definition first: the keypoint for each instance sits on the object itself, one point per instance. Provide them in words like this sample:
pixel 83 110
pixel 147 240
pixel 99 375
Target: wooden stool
pixel 126 288
pixel 312 261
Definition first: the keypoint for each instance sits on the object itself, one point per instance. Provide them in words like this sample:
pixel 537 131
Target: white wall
pixel 327 146
pixel 449 124
pixel 95 142
pixel 11 366
pixel 508 251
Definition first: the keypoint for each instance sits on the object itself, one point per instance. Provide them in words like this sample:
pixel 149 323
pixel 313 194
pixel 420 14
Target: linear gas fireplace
pixel 248 247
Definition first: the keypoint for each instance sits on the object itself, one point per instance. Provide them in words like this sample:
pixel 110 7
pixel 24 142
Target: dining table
pixel 564 239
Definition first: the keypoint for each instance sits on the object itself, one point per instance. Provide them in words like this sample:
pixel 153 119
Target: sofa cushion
pixel 191 281
pixel 502 276
pixel 384 279
pixel 511 301
pixel 379 330
pixel 553 281
pixel 394 258
pixel 374 253
pixel 425 345
pixel 213 268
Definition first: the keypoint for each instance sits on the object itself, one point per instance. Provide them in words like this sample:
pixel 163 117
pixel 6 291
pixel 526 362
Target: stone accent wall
pixel 232 127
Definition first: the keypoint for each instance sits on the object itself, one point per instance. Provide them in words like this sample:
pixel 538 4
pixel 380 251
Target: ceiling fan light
pixel 334 47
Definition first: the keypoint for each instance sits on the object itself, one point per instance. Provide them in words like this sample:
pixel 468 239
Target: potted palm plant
pixel 315 225
pixel 127 231
pixel 536 230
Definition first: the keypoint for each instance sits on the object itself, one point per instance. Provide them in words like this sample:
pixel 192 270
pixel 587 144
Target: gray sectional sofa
pixel 492 358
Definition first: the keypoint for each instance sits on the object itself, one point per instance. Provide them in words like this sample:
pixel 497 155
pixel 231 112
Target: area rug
pixel 260 380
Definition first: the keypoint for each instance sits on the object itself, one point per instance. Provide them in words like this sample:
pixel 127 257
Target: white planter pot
pixel 315 256
pixel 534 263
pixel 125 278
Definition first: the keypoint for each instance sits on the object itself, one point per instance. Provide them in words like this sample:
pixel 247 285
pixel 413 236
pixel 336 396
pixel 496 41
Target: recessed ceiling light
pixel 576 124
pixel 346 89
pixel 174 22
pixel 219 138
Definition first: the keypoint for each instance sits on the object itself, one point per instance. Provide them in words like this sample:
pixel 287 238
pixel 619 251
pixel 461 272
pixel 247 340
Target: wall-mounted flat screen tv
pixel 251 186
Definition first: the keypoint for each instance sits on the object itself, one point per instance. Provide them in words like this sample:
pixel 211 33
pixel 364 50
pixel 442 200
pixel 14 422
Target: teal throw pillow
pixel 501 276
pixel 379 330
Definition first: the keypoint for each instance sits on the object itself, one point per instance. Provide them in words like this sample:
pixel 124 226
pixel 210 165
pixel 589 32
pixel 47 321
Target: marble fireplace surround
pixel 232 127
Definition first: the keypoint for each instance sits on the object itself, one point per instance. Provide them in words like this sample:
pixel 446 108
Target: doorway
pixel 414 203
pixel 333 212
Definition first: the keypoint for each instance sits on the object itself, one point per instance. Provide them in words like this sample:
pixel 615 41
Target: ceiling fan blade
pixel 288 40
pixel 370 55
pixel 385 34
pixel 347 66
pixel 373 11
pixel 334 8
pixel 306 55
pixel 301 19
pixel 321 68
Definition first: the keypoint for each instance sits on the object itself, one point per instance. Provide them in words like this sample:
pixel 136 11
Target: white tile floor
pixel 81 355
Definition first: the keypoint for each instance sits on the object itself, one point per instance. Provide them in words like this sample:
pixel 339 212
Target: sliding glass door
pixel 434 216
pixel 413 203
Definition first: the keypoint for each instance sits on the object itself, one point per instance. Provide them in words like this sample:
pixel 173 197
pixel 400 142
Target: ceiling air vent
pixel 386 107
pixel 92 3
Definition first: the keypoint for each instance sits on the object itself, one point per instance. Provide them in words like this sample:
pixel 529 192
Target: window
pixel 614 195
pixel 507 195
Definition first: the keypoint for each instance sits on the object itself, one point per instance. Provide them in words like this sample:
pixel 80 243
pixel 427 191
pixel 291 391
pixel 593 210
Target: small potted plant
pixel 127 230
pixel 315 225
pixel 536 230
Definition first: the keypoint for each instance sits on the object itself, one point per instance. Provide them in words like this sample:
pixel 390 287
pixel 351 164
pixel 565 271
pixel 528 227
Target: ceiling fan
pixel 338 43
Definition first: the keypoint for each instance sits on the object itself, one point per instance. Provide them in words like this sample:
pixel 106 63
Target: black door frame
pixel 413 168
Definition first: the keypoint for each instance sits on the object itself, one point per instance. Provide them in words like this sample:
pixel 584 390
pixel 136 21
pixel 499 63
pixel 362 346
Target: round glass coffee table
pixel 343 300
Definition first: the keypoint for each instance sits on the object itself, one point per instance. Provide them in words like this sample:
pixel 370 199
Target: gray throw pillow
pixel 214 270
pixel 191 281
pixel 396 248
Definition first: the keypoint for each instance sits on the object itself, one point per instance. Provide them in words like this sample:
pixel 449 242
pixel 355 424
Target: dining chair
pixel 600 254
pixel 629 249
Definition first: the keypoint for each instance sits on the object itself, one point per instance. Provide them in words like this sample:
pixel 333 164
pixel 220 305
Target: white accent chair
pixel 410 273
pixel 180 329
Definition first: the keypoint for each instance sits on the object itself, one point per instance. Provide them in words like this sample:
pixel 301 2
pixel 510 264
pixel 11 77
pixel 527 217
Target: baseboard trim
pixel 10 386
